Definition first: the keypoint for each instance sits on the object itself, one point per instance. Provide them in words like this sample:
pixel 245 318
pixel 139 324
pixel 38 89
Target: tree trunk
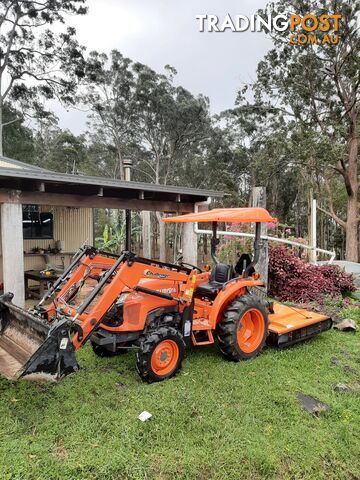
pixel 120 161
pixel 189 244
pixel 352 224
pixel 1 125
pixel 352 220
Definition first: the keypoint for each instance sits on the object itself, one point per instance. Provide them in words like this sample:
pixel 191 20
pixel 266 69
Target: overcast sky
pixel 160 32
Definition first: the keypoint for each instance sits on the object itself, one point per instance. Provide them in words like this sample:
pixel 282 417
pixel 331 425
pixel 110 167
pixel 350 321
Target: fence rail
pixel 271 239
pixel 312 248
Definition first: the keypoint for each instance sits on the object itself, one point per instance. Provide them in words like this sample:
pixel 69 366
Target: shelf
pixel 50 254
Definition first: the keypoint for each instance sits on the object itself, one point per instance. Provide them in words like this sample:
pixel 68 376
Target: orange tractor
pixel 160 309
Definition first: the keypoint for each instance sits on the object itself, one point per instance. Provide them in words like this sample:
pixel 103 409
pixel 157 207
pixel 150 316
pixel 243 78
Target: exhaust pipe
pixel 31 348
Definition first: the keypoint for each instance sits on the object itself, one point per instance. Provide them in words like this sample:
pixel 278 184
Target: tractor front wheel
pixel 243 329
pixel 160 354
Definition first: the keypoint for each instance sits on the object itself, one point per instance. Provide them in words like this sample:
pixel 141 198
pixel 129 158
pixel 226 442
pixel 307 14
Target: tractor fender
pixel 232 289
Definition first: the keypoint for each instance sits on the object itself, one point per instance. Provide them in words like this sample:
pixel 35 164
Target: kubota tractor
pixel 160 309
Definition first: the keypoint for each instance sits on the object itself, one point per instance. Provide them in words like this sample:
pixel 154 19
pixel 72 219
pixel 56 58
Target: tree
pixel 19 142
pixel 110 95
pixel 220 162
pixel 37 64
pixel 60 150
pixel 141 114
pixel 314 90
pixel 171 124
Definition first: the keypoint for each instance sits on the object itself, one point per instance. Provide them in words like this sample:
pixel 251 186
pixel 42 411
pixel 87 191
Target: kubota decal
pixel 149 273
pixel 169 291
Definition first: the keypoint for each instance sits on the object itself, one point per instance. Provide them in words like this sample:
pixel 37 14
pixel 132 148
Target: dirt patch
pixel 59 452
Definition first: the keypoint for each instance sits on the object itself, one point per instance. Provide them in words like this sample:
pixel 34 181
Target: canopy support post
pixel 214 242
pixel 128 230
pixel 257 249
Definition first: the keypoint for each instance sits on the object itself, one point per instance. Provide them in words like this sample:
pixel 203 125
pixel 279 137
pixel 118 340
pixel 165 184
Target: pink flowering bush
pixel 291 279
pixel 231 246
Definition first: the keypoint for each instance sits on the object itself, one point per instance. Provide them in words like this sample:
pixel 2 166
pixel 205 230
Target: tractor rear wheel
pixel 160 354
pixel 243 329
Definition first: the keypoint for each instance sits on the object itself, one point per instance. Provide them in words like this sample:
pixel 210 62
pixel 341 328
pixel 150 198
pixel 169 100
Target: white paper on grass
pixel 144 416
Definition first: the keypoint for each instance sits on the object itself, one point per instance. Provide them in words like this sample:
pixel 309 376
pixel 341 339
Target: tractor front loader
pixel 41 343
pixel 159 309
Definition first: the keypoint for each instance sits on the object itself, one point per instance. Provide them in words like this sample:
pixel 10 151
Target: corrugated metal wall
pixel 73 226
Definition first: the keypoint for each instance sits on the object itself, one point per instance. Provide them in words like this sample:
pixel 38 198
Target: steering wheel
pixel 193 267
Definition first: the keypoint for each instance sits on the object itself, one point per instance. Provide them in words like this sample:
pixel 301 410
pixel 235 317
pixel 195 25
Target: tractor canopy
pixel 226 215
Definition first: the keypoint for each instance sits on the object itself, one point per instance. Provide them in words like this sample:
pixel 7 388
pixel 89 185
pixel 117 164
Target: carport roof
pixel 35 185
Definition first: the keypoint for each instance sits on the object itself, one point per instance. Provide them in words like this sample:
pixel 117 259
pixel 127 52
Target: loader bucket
pixel 32 349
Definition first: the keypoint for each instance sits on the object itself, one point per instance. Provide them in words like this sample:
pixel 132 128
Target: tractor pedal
pixel 202 337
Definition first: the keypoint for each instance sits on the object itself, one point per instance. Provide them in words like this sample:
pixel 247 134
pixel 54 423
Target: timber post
pixel 258 199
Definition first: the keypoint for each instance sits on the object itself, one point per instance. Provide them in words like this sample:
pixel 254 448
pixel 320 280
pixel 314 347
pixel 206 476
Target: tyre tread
pixel 226 329
pixel 147 343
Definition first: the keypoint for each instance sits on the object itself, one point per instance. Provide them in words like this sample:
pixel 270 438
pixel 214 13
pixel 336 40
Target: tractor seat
pixel 243 264
pixel 220 274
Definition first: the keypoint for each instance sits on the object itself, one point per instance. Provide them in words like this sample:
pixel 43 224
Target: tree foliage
pixel 109 94
pixel 61 150
pixel 139 114
pixel 37 64
pixel 309 94
pixel 19 142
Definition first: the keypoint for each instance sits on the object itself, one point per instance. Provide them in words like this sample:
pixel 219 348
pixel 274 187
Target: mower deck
pixel 289 325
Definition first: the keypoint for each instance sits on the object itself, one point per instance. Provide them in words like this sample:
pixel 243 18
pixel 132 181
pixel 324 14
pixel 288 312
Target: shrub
pixel 291 279
pixel 343 280
pixel 231 246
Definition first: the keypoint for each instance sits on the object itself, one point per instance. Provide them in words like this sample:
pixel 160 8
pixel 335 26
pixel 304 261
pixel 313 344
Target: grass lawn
pixel 215 420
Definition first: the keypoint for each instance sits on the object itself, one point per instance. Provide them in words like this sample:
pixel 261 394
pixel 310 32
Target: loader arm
pixel 126 273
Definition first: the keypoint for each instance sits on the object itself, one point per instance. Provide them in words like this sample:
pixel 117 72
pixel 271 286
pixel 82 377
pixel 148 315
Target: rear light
pixel 256 276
